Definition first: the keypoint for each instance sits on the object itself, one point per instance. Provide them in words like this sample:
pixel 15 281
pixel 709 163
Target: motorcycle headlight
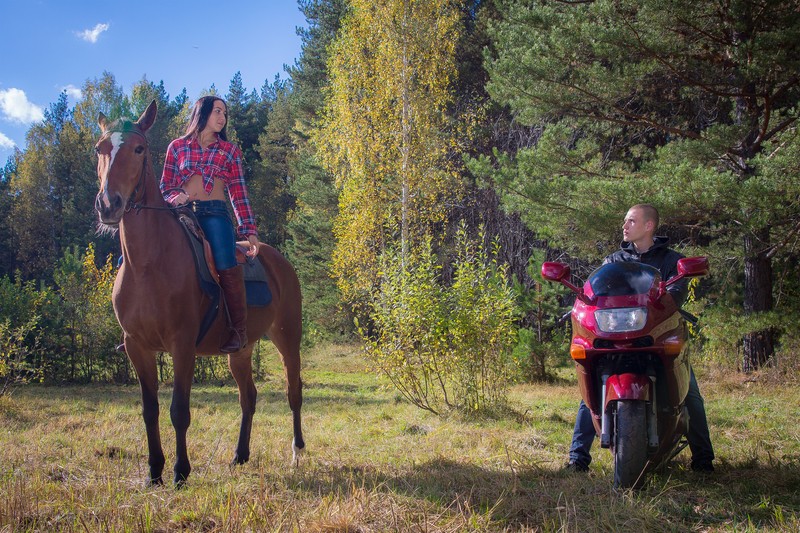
pixel 621 320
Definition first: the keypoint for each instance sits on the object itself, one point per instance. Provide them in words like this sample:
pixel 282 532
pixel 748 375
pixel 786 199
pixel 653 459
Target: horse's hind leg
pixel 286 337
pixel 241 367
pixel 145 364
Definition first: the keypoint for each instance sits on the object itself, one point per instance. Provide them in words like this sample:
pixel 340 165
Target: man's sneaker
pixel 574 466
pixel 704 467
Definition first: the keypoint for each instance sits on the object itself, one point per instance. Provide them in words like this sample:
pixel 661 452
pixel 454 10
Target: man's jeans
pixel 698 437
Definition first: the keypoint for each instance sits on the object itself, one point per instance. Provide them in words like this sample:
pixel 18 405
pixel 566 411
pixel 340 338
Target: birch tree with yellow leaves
pixel 385 134
pixel 389 137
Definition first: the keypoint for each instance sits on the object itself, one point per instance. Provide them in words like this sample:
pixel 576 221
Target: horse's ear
pixel 148 117
pixel 102 121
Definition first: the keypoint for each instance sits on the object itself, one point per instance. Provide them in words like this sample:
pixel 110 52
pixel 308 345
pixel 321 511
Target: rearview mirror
pixel 693 266
pixel 560 272
pixel 555 271
pixel 688 267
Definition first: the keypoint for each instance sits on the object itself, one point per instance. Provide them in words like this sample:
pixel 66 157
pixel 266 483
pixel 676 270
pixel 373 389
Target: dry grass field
pixel 74 459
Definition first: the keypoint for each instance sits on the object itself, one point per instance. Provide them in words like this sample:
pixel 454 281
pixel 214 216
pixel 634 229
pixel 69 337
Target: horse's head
pixel 121 163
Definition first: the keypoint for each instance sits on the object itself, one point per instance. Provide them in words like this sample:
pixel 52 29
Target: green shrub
pixel 542 342
pixel 89 321
pixel 34 311
pixel 443 347
pixel 70 331
pixel 15 347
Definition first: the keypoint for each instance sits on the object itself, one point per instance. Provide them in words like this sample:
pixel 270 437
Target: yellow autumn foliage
pixel 384 133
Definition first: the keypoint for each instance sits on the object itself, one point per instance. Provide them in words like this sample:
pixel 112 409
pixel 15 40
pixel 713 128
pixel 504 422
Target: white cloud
pixel 6 143
pixel 93 34
pixel 15 107
pixel 73 92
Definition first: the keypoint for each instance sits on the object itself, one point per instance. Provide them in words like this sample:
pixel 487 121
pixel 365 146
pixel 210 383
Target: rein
pixel 133 204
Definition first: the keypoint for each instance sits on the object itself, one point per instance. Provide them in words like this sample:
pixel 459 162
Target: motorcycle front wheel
pixel 630 443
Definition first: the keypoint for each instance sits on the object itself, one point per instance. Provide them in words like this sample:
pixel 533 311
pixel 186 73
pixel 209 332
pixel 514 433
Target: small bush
pixel 15 348
pixel 444 347
pixel 70 328
pixel 544 342
pixel 89 320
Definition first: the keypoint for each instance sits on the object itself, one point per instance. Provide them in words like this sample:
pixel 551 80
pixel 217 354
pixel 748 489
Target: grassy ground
pixel 74 459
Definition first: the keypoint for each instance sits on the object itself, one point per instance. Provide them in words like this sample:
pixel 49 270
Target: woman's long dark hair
pixel 199 118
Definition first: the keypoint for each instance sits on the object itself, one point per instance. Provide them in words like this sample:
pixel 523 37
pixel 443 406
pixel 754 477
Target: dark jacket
pixel 659 256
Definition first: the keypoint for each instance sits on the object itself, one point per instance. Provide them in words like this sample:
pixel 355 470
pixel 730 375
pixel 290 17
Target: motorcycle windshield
pixel 623 279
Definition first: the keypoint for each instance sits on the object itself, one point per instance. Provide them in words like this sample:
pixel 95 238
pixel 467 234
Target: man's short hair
pixel 649 212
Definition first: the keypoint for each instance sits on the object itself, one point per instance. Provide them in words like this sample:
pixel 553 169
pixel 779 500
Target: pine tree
pixel 160 134
pixel 53 190
pixel 275 145
pixel 100 95
pixel 678 103
pixel 7 235
pixel 309 226
pixel 309 73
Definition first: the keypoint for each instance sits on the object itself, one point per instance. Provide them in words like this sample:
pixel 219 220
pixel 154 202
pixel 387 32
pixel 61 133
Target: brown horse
pixel 159 303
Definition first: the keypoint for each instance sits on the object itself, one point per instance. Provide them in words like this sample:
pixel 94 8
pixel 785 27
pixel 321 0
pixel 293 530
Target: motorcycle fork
pixel 652 415
pixel 605 424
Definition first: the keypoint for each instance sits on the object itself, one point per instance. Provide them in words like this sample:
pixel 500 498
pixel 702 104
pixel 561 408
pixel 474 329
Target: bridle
pixel 137 198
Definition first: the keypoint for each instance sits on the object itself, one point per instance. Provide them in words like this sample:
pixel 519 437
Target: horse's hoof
pixel 155 481
pixel 180 482
pixel 296 454
pixel 239 460
pixel 180 478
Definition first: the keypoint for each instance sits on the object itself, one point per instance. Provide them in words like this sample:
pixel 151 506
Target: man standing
pixel 640 245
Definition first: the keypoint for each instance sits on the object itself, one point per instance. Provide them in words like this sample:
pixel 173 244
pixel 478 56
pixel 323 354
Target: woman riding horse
pixel 157 296
pixel 199 169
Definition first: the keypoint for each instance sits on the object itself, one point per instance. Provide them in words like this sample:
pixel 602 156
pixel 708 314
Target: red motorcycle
pixel 628 339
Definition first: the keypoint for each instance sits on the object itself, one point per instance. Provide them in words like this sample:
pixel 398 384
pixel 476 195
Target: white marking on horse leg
pixel 296 454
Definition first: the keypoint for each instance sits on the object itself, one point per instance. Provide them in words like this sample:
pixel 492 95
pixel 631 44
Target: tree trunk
pixel 405 147
pixel 758 345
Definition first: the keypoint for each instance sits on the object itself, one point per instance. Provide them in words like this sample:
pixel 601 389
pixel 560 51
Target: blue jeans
pixel 698 437
pixel 216 223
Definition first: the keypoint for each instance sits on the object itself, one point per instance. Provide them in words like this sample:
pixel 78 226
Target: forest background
pixel 422 158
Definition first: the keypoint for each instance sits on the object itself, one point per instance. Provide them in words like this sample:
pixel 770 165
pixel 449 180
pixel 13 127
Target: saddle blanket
pixel 255 283
pixel 255 277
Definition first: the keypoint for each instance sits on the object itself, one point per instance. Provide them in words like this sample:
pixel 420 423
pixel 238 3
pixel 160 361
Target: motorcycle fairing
pixel 627 387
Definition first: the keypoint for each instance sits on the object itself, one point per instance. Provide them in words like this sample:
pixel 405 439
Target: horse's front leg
pixel 183 362
pixel 145 364
pixel 241 366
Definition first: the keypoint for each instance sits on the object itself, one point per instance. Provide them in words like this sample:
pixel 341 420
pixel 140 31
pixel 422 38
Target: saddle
pixel 255 277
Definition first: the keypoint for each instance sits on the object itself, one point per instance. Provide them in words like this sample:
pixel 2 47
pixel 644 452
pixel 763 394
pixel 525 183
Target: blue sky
pixel 48 46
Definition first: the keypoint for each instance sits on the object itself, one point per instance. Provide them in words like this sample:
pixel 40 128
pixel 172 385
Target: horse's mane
pixel 124 124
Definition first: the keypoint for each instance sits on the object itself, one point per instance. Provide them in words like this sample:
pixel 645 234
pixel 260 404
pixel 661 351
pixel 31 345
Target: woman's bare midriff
pixel 194 188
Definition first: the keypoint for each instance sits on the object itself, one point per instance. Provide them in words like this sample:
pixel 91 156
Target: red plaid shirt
pixel 222 160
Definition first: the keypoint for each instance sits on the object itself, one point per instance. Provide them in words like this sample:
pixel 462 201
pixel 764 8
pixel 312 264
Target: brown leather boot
pixel 232 282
